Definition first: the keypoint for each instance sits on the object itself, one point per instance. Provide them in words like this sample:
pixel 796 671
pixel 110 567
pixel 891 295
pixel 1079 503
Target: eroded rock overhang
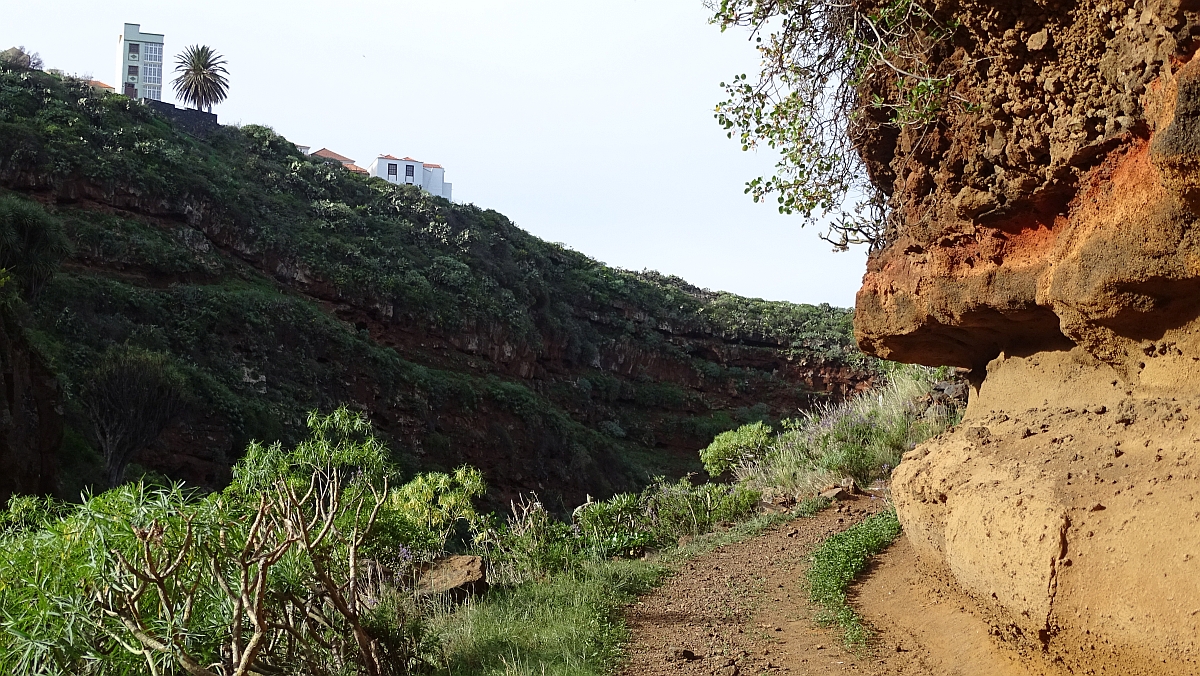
pixel 1058 207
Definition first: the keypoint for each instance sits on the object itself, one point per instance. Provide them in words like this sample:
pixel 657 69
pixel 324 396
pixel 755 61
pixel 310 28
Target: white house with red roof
pixel 330 155
pixel 429 177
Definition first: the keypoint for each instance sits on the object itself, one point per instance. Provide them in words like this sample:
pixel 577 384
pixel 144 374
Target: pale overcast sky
pixel 587 123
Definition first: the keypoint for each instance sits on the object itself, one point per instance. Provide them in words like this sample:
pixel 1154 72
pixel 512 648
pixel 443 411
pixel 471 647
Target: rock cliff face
pixel 1047 238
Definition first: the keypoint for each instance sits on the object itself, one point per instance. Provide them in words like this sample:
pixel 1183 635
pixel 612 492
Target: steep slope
pixel 1046 236
pixel 280 284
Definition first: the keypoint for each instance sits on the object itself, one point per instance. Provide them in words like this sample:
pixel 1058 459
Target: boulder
pixel 459 576
pixel 836 493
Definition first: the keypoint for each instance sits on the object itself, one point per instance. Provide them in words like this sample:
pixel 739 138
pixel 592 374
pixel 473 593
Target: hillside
pixel 277 284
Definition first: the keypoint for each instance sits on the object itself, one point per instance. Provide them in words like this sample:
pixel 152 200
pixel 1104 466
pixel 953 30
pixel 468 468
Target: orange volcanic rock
pixel 1052 247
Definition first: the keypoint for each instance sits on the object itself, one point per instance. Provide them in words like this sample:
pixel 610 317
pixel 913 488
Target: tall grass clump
pixel 568 624
pixel 862 438
pixel 531 544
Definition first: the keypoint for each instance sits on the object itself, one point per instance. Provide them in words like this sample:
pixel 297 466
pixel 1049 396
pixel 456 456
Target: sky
pixel 587 123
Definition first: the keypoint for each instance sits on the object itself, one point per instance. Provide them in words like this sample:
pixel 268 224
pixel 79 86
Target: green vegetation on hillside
pixel 419 255
pixel 277 284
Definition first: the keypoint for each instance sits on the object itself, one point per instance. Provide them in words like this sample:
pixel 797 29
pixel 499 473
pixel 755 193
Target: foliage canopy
pixel 832 73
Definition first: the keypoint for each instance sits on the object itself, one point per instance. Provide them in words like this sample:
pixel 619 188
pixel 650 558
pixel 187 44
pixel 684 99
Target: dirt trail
pixel 742 609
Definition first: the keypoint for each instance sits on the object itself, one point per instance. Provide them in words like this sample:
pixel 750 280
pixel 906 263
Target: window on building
pixel 391 169
pixel 409 171
pixel 133 71
pixel 134 48
pixel 151 72
pixel 153 53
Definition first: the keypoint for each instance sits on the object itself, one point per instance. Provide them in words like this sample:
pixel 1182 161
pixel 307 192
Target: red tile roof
pixel 326 152
pixel 388 157
pixel 101 85
pixel 356 169
pixel 409 159
pixel 433 166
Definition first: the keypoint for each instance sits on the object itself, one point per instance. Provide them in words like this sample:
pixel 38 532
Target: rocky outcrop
pixel 458 576
pixel 1046 237
pixel 1016 233
pixel 1068 504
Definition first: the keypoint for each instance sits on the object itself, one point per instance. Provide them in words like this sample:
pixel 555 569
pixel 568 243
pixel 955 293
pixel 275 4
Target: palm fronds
pixel 202 81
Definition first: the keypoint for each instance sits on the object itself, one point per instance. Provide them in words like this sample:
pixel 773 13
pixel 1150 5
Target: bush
pixel 735 447
pixel 266 576
pixel 676 509
pixel 32 243
pixel 862 438
pixel 530 544
pixel 434 504
pixel 614 527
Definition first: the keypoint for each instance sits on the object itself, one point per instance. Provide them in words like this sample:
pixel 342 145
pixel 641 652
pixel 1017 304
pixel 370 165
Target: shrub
pixel 266 576
pixel 730 449
pixel 614 527
pixel 676 509
pixel 862 438
pixel 434 504
pixel 32 243
pixel 530 544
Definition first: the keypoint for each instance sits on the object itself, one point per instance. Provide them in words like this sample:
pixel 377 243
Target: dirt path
pixel 742 609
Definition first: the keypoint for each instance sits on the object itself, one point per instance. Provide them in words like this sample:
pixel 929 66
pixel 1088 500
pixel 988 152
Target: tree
pixel 202 81
pixel 32 243
pixel 16 58
pixel 833 73
pixel 127 402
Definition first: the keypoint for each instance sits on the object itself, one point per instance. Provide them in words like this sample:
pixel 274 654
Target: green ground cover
pixel 838 561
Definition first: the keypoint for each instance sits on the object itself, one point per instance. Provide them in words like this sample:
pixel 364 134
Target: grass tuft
pixel 835 564
pixel 568 624
pixel 862 438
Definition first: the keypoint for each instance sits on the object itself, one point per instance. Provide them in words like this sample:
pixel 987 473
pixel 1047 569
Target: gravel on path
pixel 742 609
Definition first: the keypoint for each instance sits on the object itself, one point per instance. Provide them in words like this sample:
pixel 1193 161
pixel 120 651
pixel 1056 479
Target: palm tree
pixel 201 82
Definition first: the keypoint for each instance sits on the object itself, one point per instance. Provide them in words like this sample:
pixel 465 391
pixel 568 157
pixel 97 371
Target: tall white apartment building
pixel 140 63
pixel 429 177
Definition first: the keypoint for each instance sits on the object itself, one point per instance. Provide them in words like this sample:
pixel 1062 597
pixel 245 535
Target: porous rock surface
pixel 1047 238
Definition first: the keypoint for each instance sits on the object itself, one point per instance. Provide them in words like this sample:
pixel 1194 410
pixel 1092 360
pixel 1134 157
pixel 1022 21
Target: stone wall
pixel 195 122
